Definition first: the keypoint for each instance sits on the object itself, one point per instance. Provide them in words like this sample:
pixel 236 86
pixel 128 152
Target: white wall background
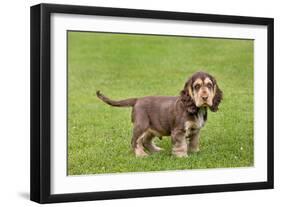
pixel 14 101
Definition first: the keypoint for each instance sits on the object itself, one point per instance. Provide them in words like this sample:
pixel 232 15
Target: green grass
pixel 124 66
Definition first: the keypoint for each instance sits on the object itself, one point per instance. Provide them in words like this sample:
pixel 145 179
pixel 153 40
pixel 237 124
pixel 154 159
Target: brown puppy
pixel 182 116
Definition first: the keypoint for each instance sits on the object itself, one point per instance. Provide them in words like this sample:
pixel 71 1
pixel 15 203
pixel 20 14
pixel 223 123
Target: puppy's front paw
pixel 180 154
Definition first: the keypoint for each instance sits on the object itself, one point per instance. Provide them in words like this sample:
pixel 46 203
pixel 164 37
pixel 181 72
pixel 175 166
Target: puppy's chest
pixel 193 126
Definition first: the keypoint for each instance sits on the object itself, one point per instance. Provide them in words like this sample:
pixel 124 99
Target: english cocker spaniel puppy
pixel 181 117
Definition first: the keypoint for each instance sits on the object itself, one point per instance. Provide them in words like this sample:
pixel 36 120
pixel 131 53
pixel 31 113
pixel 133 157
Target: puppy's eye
pixel 197 86
pixel 209 85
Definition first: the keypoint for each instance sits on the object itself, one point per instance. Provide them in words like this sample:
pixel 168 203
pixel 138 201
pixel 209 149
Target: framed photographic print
pixel 132 103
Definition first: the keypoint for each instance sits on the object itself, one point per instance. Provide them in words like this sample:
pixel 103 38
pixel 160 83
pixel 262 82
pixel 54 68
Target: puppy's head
pixel 201 90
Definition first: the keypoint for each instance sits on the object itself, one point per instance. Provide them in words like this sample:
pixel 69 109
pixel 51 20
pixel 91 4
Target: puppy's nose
pixel 204 98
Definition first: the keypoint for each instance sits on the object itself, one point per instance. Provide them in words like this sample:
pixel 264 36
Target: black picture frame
pixel 40 184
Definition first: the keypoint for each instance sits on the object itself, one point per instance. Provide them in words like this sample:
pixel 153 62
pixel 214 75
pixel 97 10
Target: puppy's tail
pixel 121 103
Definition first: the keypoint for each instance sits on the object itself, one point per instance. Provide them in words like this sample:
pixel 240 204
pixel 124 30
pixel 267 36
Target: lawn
pixel 123 66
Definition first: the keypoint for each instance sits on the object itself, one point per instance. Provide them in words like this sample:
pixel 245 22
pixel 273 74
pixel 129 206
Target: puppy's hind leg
pixel 141 124
pixel 139 149
pixel 149 144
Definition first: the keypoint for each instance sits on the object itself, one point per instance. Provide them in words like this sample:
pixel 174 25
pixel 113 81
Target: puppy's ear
pixel 217 98
pixel 187 98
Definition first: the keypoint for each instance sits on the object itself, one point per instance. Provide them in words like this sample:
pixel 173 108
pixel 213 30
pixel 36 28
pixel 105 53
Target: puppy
pixel 180 117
